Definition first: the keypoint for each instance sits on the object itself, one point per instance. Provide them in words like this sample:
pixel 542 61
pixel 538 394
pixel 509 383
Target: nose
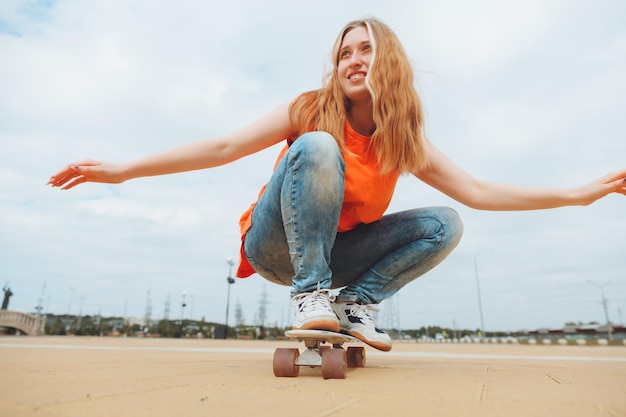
pixel 356 60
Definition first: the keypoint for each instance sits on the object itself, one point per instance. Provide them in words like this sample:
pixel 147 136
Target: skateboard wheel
pixel 356 356
pixel 334 364
pixel 285 362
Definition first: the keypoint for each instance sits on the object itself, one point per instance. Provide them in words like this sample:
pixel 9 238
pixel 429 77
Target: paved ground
pixel 115 377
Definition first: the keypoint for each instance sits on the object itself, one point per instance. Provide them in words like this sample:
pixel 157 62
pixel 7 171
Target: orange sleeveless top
pixel 367 192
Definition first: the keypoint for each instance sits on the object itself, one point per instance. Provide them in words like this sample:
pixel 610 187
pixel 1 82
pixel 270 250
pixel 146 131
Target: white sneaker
pixel 313 311
pixel 355 320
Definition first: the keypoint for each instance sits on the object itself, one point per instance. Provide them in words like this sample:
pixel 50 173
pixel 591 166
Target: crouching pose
pixel 319 222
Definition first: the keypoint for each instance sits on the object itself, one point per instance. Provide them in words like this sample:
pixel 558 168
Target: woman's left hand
pixel 614 182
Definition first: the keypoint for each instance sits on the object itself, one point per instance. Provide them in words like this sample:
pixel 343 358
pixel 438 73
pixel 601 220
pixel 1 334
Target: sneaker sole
pixel 376 345
pixel 331 326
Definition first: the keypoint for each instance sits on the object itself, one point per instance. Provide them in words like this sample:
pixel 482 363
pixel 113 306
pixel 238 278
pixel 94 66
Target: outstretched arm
pixel 207 153
pixel 449 178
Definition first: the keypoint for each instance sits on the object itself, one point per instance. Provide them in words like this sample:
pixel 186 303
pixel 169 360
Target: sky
pixel 522 92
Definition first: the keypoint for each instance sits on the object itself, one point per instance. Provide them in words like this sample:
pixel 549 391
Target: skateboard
pixel 323 349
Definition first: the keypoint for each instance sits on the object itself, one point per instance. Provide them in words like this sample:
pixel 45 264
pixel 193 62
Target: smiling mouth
pixel 356 76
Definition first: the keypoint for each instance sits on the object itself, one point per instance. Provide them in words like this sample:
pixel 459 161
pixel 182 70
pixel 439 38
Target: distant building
pixel 584 332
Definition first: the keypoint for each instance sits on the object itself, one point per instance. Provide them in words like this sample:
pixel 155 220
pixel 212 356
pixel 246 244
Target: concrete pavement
pixel 83 376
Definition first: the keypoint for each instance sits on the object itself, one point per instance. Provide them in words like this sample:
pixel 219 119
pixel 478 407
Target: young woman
pixel 318 224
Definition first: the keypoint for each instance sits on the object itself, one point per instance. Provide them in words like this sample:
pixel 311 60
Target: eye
pixel 344 54
pixel 367 47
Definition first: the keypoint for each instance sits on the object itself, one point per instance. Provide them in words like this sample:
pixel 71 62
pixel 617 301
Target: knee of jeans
pixel 318 147
pixel 453 224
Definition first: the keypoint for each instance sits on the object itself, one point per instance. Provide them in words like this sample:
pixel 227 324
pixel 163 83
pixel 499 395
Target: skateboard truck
pixel 331 357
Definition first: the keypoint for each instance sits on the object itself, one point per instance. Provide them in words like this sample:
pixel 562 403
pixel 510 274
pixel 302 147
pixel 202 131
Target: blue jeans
pixel 294 241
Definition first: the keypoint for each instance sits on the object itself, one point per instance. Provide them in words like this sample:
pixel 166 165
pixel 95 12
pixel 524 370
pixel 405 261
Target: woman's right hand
pixel 208 153
pixel 87 171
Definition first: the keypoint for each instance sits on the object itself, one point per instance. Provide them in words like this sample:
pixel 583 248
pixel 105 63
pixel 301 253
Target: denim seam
pixel 294 210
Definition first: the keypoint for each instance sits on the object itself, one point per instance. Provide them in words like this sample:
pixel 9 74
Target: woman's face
pixel 355 56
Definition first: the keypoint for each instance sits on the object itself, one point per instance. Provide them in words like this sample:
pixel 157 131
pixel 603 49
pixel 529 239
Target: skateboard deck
pixel 321 336
pixel 322 349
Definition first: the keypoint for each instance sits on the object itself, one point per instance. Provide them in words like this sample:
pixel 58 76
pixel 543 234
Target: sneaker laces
pixel 309 301
pixel 362 311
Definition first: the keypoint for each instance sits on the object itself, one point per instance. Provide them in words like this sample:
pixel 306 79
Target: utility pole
pixel 480 302
pixel 39 307
pixel 262 314
pixel 263 307
pixel 606 309
pixel 166 310
pixel 148 316
pixel 230 281
pixel 183 304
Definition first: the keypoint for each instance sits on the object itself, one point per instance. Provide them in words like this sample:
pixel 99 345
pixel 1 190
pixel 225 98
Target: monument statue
pixel 7 294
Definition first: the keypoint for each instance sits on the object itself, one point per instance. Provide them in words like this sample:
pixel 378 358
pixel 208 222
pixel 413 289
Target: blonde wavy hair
pixel 399 139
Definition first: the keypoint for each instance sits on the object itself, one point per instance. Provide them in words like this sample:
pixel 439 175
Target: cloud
pixel 470 39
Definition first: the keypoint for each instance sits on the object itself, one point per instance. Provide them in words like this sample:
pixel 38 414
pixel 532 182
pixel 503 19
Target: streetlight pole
pixel 480 302
pixel 604 305
pixel 230 280
pixel 183 304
